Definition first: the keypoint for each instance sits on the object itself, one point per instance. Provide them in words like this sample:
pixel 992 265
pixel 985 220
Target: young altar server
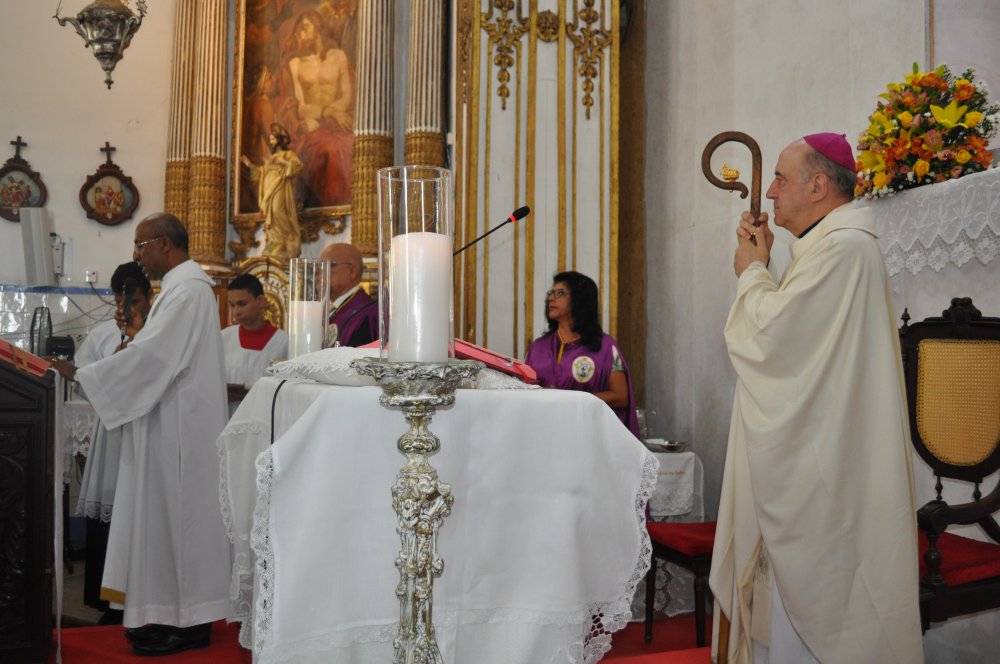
pixel 251 343
pixel 816 545
pixel 100 473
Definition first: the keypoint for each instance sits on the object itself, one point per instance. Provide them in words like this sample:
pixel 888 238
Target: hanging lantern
pixel 107 27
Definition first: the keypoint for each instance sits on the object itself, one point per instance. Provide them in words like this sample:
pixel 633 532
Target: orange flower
pixel 879 180
pixel 962 156
pixel 963 89
pixel 932 80
pixel 920 168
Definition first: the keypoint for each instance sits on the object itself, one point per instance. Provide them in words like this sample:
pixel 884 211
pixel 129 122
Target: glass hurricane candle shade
pixel 415 241
pixel 308 300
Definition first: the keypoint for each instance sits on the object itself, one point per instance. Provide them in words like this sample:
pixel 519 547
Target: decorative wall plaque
pixel 108 196
pixel 19 185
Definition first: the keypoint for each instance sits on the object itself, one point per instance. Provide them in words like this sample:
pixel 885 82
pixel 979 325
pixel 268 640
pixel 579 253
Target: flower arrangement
pixel 930 128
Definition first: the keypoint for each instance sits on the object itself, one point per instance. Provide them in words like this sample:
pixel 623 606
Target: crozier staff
pixel 816 547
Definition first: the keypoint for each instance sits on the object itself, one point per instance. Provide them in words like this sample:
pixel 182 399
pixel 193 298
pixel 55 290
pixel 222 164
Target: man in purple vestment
pixel 354 314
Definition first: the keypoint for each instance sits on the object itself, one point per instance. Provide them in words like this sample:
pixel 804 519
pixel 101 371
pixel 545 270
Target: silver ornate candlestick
pixel 421 501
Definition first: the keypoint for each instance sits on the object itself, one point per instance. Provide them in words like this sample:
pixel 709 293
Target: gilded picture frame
pixel 294 64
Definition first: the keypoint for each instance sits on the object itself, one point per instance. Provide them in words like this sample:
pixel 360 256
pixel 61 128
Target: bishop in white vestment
pixel 168 557
pixel 816 549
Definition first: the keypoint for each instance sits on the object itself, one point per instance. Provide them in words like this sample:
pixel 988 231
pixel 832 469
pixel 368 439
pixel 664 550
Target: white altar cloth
pixel 943 241
pixel 543 549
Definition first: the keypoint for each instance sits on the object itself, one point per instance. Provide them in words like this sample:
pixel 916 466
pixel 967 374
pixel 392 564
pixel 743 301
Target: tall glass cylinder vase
pixel 415 239
pixel 308 300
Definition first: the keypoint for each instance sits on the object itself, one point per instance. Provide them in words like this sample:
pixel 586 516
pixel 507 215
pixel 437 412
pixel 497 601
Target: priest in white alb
pixel 815 553
pixel 168 561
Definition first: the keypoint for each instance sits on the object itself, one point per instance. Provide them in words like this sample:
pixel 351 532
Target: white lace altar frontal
pixel 950 223
pixel 543 549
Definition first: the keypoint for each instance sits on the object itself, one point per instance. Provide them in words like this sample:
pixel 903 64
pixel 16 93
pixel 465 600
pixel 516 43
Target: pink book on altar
pixel 494 360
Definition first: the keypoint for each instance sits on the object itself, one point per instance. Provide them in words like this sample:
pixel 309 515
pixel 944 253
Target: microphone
pixel 128 295
pixel 517 215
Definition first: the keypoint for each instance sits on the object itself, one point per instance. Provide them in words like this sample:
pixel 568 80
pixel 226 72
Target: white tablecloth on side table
pixel 543 549
pixel 678 497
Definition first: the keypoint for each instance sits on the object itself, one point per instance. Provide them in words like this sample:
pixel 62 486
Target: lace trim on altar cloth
pixel 260 542
pixel 605 618
pixel 949 223
pixel 940 254
pixel 95 509
pixel 237 430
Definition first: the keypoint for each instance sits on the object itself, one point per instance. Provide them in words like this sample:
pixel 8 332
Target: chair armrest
pixel 937 515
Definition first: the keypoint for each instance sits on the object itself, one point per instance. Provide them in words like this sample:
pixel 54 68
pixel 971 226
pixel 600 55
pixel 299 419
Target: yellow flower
pixel 921 167
pixel 879 180
pixel 949 116
pixel 872 160
pixel 880 124
pixel 972 118
pixel 905 118
pixel 962 156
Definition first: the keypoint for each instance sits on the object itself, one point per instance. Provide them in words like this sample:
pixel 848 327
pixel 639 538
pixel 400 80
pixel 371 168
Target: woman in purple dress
pixel 575 354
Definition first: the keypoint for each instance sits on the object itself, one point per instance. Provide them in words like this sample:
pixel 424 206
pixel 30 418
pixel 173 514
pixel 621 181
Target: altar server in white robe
pixel 168 555
pixel 816 548
pixel 251 343
pixel 100 473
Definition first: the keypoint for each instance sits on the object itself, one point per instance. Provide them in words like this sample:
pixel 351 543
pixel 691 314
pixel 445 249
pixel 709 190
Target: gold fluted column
pixel 206 222
pixel 175 198
pixel 373 124
pixel 425 78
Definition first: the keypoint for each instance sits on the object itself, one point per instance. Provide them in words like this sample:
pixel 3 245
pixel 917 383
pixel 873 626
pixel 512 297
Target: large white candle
pixel 420 292
pixel 305 327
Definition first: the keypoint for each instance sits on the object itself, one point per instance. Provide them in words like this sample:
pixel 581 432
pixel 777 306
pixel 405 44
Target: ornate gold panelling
pixel 547 26
pixel 590 41
pixel 505 33
pixel 537 124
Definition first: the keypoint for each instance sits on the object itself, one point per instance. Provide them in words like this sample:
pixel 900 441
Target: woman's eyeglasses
pixel 556 292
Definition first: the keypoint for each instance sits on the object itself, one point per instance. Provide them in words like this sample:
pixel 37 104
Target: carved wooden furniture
pixel 27 404
pixel 690 546
pixel 951 365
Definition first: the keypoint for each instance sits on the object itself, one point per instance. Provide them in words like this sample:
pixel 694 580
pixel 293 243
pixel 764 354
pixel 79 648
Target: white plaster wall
pixel 55 98
pixel 777 70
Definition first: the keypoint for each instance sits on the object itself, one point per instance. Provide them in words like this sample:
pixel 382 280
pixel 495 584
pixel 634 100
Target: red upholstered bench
pixel 688 545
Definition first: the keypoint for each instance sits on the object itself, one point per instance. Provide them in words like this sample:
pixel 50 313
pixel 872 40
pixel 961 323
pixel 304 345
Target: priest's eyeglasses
pixel 556 292
pixel 140 245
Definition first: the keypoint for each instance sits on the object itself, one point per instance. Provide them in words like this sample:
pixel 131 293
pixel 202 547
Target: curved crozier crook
pixel 706 167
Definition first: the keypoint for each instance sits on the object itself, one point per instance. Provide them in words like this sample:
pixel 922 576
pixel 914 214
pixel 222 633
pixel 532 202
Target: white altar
pixel 943 241
pixel 543 550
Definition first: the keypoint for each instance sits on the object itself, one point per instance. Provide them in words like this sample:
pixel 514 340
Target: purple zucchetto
pixel 832 146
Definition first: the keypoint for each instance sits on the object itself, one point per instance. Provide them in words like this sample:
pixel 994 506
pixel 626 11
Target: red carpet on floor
pixel 673 643
pixel 108 645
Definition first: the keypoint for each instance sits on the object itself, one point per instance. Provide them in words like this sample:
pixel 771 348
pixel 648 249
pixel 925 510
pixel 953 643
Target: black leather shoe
pixel 111 617
pixel 151 632
pixel 174 640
